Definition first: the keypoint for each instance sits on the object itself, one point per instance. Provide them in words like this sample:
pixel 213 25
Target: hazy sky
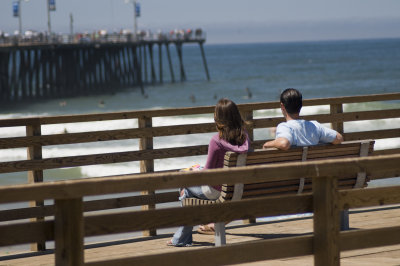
pixel 223 20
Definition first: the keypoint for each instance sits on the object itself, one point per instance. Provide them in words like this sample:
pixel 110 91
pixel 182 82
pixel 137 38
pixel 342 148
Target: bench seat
pixel 283 187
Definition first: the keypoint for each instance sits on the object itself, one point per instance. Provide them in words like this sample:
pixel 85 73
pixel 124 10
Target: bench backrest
pixel 267 156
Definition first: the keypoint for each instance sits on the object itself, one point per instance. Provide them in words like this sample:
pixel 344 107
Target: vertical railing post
pixel 248 117
pixel 34 176
pixel 69 232
pixel 326 221
pixel 147 166
pixel 337 109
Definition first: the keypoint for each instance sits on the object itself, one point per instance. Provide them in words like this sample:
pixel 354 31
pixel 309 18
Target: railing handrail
pixel 93 39
pixel 46 120
pixel 325 202
pixel 383 166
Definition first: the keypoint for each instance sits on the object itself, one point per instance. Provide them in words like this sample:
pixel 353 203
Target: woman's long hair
pixel 230 124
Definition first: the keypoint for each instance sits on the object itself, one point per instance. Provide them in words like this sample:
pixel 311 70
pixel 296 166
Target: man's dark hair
pixel 292 100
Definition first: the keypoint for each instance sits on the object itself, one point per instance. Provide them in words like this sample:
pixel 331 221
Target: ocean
pixel 318 69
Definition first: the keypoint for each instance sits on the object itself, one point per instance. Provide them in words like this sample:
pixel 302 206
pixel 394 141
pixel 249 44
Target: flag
pixel 137 9
pixel 52 5
pixel 15 8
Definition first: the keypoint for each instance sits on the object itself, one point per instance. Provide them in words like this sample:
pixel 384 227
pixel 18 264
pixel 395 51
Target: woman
pixel 231 136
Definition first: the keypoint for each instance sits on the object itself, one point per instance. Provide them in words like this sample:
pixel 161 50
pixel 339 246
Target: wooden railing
pixel 70 225
pixel 34 141
pixel 145 132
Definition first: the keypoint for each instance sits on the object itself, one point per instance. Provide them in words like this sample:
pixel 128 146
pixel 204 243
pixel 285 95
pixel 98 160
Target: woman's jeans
pixel 183 236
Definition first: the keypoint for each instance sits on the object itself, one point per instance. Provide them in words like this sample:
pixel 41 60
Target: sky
pixel 224 21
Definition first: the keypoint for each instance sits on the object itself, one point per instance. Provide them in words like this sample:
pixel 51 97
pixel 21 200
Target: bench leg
pixel 344 220
pixel 220 238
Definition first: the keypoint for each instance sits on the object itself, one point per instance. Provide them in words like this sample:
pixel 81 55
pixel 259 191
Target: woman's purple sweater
pixel 217 149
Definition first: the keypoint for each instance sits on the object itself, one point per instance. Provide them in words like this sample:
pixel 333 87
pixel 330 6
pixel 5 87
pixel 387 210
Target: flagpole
pixel 134 19
pixel 19 18
pixel 48 17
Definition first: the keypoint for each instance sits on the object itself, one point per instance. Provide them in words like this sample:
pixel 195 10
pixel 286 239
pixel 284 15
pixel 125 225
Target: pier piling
pixel 179 51
pixel 204 60
pixel 170 63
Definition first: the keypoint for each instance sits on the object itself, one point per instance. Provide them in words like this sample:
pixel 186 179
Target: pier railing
pixel 98 37
pixel 147 155
pixel 70 225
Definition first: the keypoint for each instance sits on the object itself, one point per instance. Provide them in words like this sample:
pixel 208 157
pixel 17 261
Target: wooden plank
pixel 270 184
pixel 88 206
pixel 334 118
pixel 146 143
pixel 275 187
pixel 386 152
pixel 316 152
pixel 35 153
pixel 273 160
pixel 355 116
pixel 317 149
pixel 68 232
pixel 105 158
pixel 266 192
pixel 349 154
pixel 352 99
pixel 369 238
pixel 385 165
pixel 94 136
pixel 194 215
pixel 337 109
pixel 358 198
pixel 326 221
pixel 328 155
pixel 373 134
pixel 382 173
pixel 273 154
pixel 147 166
pixel 28 232
pixel 103 204
pixel 248 117
pixel 25 213
pixel 107 116
pixel 231 254
pixel 287 157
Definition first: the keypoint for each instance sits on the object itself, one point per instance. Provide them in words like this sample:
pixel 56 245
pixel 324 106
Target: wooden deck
pixel 236 232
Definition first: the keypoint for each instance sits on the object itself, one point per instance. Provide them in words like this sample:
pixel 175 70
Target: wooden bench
pixel 231 192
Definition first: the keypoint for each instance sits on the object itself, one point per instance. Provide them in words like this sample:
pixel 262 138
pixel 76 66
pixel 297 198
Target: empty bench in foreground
pixel 232 192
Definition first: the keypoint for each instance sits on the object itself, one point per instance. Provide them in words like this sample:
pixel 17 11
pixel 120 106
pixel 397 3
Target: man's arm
pixel 338 139
pixel 280 143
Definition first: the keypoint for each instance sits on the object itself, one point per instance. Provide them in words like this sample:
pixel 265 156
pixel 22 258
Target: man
pixel 296 131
